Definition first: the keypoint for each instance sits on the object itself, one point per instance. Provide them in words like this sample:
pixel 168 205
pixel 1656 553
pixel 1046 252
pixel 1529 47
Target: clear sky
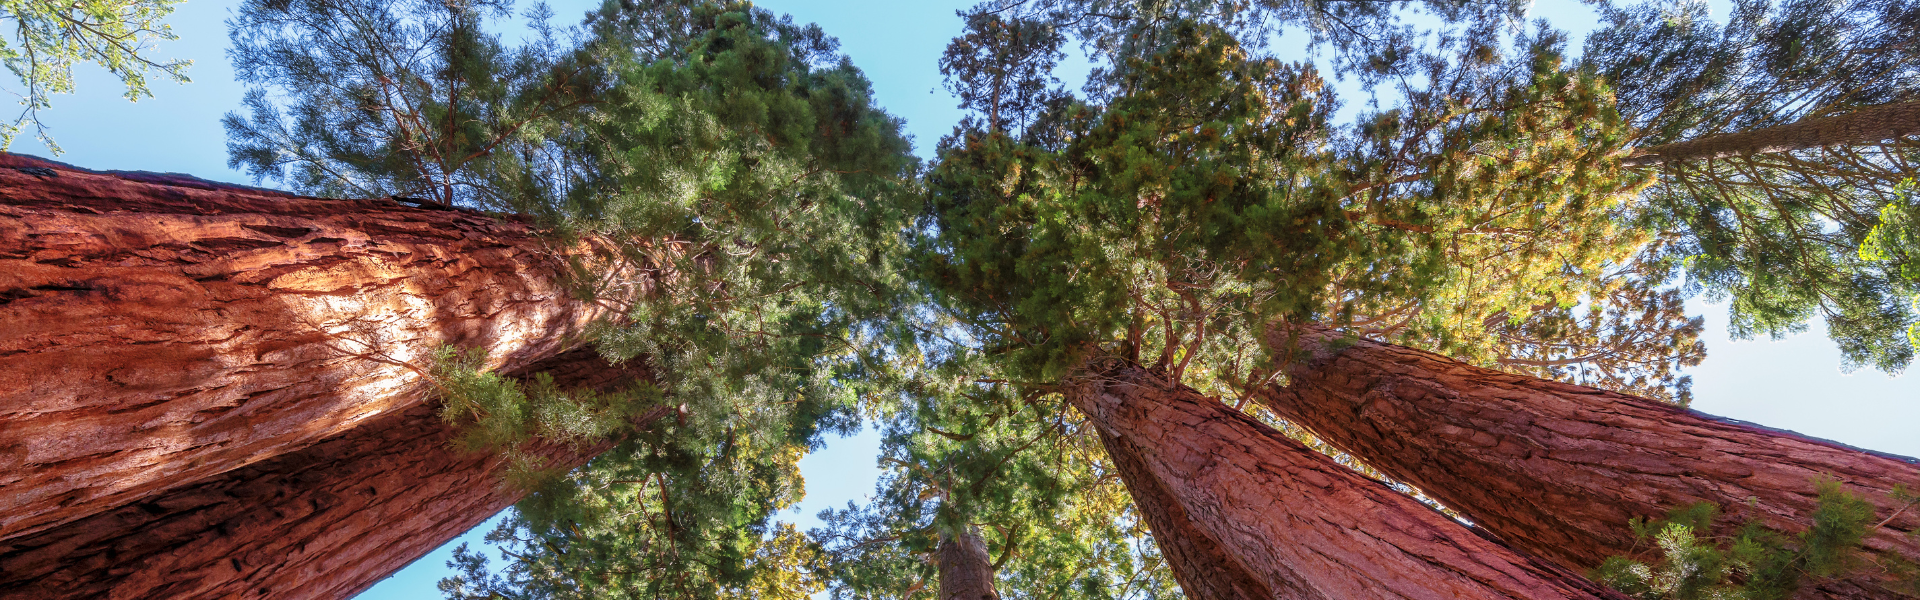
pixel 1791 384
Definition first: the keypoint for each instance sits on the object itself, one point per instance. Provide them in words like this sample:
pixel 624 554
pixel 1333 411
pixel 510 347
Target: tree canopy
pixel 783 268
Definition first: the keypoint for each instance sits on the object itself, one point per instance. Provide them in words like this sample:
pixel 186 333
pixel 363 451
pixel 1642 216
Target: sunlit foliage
pixel 49 37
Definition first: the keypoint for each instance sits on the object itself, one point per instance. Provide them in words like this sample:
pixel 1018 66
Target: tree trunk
pixel 1558 469
pixel 1280 520
pixel 160 330
pixel 1864 126
pixel 327 521
pixel 966 571
pixel 1205 569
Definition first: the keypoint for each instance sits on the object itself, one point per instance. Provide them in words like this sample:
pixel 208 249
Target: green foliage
pixel 1752 563
pixel 493 412
pixel 1774 235
pixel 1131 223
pixel 408 99
pixel 1210 200
pixel 716 176
pixel 1029 473
pixel 1497 174
pixel 49 37
pixel 1895 243
pixel 1003 69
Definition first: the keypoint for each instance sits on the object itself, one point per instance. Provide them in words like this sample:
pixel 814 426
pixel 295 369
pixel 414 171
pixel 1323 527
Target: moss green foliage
pixel 1690 558
pixel 48 38
pixel 493 412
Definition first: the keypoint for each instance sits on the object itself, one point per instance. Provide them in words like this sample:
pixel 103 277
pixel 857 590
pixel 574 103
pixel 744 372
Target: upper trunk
pixel 1264 516
pixel 324 522
pixel 160 330
pixel 1558 469
pixel 966 571
pixel 1205 569
pixel 1864 126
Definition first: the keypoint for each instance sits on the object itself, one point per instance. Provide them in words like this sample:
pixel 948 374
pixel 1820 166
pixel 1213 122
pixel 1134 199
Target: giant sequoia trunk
pixel 175 350
pixel 327 521
pixel 966 571
pixel 1558 469
pixel 1864 126
pixel 1242 511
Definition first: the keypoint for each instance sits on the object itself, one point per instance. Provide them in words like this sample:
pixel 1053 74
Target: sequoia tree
pixel 1771 160
pixel 213 389
pixel 731 156
pixel 1250 513
pixel 1558 469
pixel 1164 227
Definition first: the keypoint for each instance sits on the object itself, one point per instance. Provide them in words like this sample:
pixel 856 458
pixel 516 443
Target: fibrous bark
pixel 1205 570
pixel 160 330
pixel 327 521
pixel 1558 469
pixel 966 571
pixel 1864 126
pixel 216 391
pixel 1276 519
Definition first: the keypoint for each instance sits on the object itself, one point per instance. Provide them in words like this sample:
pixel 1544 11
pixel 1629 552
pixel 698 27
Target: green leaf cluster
pixel 50 37
pixel 1751 563
pixel 1895 243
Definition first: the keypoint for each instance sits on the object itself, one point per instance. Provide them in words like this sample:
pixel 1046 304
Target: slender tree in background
pixel 49 37
pixel 1775 139
pixel 971 457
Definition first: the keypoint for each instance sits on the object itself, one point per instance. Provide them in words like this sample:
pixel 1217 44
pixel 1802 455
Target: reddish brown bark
pixel 1869 125
pixel 966 571
pixel 324 522
pixel 156 331
pixel 1290 520
pixel 1205 570
pixel 1558 469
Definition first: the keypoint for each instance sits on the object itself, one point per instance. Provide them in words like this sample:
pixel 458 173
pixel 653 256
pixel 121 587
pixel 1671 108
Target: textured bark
pixel 1558 469
pixel 1865 126
pixel 1291 519
pixel 966 571
pixel 1205 570
pixel 325 522
pixel 159 330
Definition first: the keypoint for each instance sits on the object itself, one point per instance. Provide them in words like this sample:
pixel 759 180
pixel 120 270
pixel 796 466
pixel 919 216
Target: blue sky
pixel 1791 384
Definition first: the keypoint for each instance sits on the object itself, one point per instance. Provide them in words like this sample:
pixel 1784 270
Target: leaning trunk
pixel 160 330
pixel 966 571
pixel 1864 126
pixel 220 391
pixel 327 521
pixel 1255 514
pixel 1558 469
pixel 1205 569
